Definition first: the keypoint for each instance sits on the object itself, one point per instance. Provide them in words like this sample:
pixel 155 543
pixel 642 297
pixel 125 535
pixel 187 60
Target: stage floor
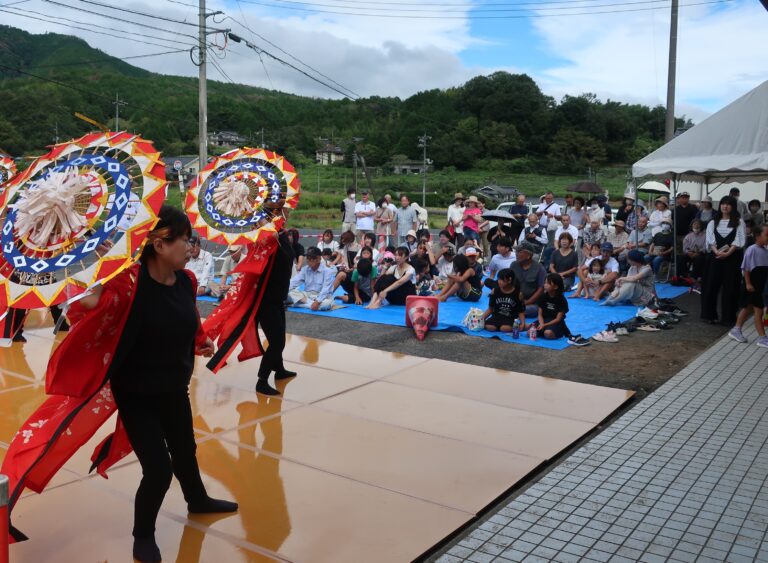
pixel 369 456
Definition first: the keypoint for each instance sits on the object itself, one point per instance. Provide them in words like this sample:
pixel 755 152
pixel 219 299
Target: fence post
pixel 4 531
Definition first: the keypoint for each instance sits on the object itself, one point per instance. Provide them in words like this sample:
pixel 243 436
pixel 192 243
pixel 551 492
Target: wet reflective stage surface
pixel 368 456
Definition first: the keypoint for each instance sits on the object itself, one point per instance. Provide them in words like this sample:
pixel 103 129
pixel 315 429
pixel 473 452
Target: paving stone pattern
pixel 679 477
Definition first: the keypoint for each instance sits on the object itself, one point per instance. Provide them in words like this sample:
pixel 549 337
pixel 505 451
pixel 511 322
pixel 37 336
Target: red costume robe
pixel 80 396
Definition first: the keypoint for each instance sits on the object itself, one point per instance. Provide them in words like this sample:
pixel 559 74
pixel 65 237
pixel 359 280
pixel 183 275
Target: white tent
pixel 731 145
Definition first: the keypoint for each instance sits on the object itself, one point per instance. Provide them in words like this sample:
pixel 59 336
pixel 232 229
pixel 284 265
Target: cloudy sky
pixel 567 46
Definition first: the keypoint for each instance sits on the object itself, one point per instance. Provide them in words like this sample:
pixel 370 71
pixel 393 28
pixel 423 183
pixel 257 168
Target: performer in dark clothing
pixel 271 316
pixel 150 377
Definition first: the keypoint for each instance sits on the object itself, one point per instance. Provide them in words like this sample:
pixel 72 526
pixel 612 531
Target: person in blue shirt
pixel 317 282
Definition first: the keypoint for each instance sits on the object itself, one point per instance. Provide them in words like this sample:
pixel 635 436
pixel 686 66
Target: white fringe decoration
pixel 231 197
pixel 47 211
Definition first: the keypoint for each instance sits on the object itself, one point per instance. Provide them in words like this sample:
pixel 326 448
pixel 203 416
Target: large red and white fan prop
pixel 57 214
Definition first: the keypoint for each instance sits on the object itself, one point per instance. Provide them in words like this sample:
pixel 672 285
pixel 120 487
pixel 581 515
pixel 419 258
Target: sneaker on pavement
pixel 648 313
pixel 577 340
pixel 762 342
pixel 737 335
pixel 621 331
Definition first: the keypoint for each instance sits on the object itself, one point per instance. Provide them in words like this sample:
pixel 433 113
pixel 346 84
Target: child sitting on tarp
pixel 362 279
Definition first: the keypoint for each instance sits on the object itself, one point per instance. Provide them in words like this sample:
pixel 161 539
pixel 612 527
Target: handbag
pixel 473 320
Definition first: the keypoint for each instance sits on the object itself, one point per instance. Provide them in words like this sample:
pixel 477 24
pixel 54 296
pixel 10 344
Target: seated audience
pixel 505 304
pixel 445 263
pixel 639 239
pixel 619 238
pixel 369 241
pixel 466 282
pixel 564 260
pixel 363 278
pixel 312 287
pixel 201 264
pixel 530 275
pixel 534 234
pixel 593 234
pixel 344 278
pixel 442 244
pixel 500 261
pixel 347 252
pixel 298 248
pixel 662 246
pixel 590 278
pixel 566 227
pixel 396 283
pixel 637 287
pixel 411 241
pixel 235 253
pixel 327 241
pixel 553 307
pixel 608 279
pixel 694 258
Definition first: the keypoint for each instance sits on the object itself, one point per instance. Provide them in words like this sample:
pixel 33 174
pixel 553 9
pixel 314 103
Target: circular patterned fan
pixel 7 168
pixel 240 196
pixel 58 213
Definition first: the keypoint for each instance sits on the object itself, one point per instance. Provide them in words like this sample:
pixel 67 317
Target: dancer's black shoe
pixel 145 550
pixel 263 387
pixel 212 505
pixel 284 374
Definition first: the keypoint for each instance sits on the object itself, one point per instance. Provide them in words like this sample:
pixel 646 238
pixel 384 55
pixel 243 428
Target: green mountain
pixel 501 121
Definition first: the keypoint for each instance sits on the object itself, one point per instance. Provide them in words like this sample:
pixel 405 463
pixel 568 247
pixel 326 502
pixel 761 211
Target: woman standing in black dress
pixel 271 315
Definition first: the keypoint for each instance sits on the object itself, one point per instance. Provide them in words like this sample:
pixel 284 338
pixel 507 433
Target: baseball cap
pixel 527 247
pixel 683 194
pixel 470 251
pixel 606 247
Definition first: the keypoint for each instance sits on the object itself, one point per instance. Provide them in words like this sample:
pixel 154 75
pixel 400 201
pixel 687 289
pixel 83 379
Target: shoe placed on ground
pixel 621 331
pixel 762 342
pixel 647 313
pixel 577 340
pixel 648 328
pixel 212 506
pixel 145 550
pixel 284 374
pixel 605 336
pixel 737 335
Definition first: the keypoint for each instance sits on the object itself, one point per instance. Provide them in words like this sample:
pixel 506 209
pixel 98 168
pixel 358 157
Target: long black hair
pixel 173 224
pixel 733 220
pixel 460 264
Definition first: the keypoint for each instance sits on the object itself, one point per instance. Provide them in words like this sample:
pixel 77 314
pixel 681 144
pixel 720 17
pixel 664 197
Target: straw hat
pixel 663 199
pixel 458 195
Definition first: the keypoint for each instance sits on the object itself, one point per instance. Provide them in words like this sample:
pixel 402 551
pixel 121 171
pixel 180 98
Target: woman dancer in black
pixel 271 316
pixel 150 378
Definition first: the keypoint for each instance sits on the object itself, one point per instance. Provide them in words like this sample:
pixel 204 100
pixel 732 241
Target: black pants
pixel 271 318
pixel 159 427
pixel 722 277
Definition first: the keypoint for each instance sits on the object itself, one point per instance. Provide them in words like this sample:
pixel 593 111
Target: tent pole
pixel 674 223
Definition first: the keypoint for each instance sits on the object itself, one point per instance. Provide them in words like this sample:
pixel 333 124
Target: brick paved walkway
pixel 681 477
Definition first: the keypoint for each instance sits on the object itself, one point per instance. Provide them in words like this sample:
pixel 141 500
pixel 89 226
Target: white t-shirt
pixel 571 230
pixel 409 272
pixel 549 213
pixel 365 223
pixel 374 252
pixel 455 214
pixel 444 268
pixel 333 245
pixel 499 262
pixel 611 266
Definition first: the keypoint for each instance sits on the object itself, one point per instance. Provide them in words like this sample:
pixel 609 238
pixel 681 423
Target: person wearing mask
pixel 694 257
pixel 725 241
pixel 705 212
pixel 659 215
pixel 348 218
pixel 384 220
pixel 407 220
pixel 531 276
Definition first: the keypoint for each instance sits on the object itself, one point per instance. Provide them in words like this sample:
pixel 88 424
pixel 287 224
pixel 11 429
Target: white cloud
pixel 721 55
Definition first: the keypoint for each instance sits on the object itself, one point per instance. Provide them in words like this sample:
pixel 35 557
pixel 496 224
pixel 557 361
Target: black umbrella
pixel 498 215
pixel 585 188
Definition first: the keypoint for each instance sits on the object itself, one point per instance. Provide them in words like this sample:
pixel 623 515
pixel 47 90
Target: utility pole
pixel 423 140
pixel 202 115
pixel 669 129
pixel 262 138
pixel 56 133
pixel 117 103
pixel 354 168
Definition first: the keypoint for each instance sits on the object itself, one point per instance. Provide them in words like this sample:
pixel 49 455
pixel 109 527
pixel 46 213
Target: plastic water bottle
pixel 533 333
pixel 516 329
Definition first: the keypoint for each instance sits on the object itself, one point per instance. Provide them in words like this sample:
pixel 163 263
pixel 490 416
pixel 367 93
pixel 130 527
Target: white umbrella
pixel 654 188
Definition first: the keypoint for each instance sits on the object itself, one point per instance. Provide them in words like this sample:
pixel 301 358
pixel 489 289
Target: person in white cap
pixel 659 215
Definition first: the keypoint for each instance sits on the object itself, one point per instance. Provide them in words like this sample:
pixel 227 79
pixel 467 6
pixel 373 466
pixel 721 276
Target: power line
pixel 472 16
pixel 110 59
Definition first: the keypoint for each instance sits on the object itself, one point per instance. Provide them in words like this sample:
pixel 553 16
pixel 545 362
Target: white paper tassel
pixel 46 212
pixel 231 198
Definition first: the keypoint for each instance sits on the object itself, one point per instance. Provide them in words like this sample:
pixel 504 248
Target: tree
pixel 575 150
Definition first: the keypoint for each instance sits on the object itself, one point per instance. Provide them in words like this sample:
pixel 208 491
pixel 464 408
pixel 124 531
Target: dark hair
pixel 419 265
pixel 507 274
pixel 347 237
pixel 445 233
pixel 578 198
pixel 754 202
pixel 173 224
pixel 460 264
pixel 381 202
pixel 404 196
pixel 566 235
pixel 734 191
pixel 294 233
pixel 364 267
pixel 733 220
pixel 602 266
pixel 313 252
pixel 366 249
pixel 328 232
pixel 390 248
pixel 371 237
pixel 423 233
pixel 504 241
pixel 326 252
pixel 351 191
pixel 402 251
pixel 557 281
